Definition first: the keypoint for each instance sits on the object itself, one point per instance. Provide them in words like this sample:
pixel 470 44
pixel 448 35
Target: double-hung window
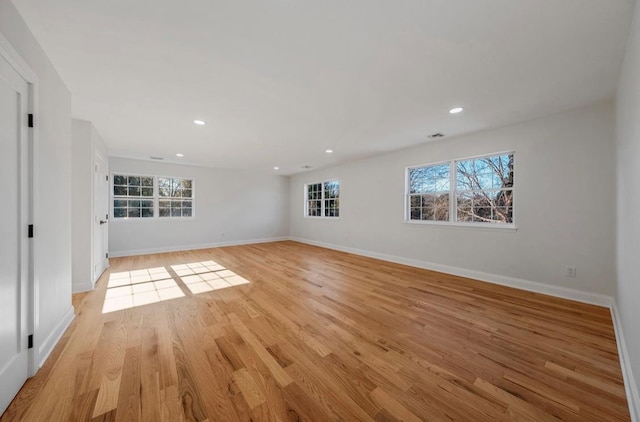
pixel 429 192
pixel 151 197
pixel 133 196
pixel 322 199
pixel 484 189
pixel 175 197
pixel 475 190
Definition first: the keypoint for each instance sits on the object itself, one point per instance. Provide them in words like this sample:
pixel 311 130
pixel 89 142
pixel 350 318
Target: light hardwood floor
pixel 285 332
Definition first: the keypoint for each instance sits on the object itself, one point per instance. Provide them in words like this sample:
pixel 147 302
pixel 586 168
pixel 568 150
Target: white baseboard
pixel 46 347
pixel 633 398
pixel 164 249
pixel 631 388
pixel 81 287
pixel 518 283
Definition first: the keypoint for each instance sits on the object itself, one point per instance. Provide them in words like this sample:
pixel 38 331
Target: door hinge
pixel 107 178
pixel 30 231
pixel 30 120
pixel 106 255
pixel 30 341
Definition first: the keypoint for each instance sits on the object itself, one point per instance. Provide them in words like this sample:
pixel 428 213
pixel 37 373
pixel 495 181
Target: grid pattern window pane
pixel 323 199
pixel 314 200
pixel 332 199
pixel 484 189
pixel 132 196
pixel 175 197
pixel 429 189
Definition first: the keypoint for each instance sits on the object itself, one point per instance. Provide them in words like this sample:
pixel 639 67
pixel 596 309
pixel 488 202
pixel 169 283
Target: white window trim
pixel 156 198
pixel 453 174
pixel 156 190
pixel 306 201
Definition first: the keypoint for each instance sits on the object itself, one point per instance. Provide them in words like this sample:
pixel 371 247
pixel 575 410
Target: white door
pixel 14 248
pixel 100 216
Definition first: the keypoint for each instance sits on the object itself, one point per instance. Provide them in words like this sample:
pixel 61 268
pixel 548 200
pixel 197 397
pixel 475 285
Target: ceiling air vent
pixel 155 158
pixel 436 135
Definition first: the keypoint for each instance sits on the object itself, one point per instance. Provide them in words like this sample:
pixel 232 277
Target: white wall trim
pixel 630 386
pixel 11 55
pixel 633 398
pixel 518 283
pixel 46 347
pixel 164 249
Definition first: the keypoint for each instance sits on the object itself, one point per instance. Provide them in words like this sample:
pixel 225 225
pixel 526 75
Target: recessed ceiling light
pixel 276 168
pixel 329 151
pixel 179 155
pixel 456 110
pixel 199 122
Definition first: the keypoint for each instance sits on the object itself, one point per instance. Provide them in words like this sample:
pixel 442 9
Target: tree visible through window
pixel 322 199
pixel 132 196
pixel 175 197
pixel 429 192
pixel 483 191
pixel 149 196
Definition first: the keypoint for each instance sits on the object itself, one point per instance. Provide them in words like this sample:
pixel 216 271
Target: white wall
pixel 564 205
pixel 628 201
pixel 85 143
pixel 81 182
pixel 52 186
pixel 231 206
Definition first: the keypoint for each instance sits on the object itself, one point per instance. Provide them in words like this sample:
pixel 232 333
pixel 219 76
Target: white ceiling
pixel 280 81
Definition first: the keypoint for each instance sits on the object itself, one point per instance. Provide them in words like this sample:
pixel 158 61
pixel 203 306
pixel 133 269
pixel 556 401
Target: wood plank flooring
pixel 290 332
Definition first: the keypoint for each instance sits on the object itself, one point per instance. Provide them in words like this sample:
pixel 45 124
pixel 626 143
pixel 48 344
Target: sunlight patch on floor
pixel 207 276
pixel 129 289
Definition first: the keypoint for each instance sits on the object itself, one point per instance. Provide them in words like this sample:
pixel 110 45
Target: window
pixel 429 192
pixel 175 197
pixel 150 197
pixel 322 199
pixel 314 200
pixel 132 197
pixel 483 191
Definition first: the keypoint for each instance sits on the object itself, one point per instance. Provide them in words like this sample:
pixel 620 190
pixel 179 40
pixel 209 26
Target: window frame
pixel 408 192
pixel 112 197
pixel 453 197
pixel 156 198
pixel 159 198
pixel 322 200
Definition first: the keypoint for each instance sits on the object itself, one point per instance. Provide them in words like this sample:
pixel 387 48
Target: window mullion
pixel 156 198
pixel 453 201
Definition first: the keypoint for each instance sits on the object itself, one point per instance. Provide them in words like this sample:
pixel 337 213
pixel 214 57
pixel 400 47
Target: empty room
pixel 278 210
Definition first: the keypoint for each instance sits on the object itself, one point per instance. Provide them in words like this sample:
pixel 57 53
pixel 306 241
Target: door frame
pixel 97 155
pixel 8 53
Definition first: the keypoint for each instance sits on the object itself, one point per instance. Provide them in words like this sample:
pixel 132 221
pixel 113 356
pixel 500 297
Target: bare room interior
pixel 419 210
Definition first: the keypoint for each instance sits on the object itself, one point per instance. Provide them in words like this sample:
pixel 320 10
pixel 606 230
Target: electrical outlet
pixel 570 271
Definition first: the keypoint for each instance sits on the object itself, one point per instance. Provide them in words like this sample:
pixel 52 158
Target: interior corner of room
pixel 255 165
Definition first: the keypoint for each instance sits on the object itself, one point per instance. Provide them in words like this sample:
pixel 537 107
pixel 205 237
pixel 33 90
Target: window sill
pixel 473 226
pixel 322 218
